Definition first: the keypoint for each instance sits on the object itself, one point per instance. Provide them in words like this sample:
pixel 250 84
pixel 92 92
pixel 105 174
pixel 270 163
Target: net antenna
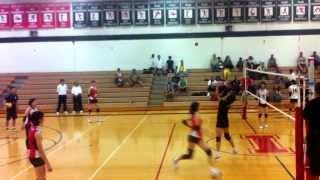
pixel 298 118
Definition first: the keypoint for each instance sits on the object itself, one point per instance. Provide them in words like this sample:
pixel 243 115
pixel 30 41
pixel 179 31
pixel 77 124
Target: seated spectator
pixel 158 66
pixel 119 80
pixel 170 91
pixel 182 70
pixel 275 94
pixel 240 64
pixel 302 65
pixel 227 67
pixel 211 85
pixel 182 85
pixel 220 64
pixel 170 65
pixel 272 64
pixel 261 67
pixel 214 63
pixel 316 60
pixel 250 63
pixel 135 79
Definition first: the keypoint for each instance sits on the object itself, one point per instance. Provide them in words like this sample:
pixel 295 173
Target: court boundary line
pixel 54 151
pixel 285 168
pixel 124 141
pixel 165 151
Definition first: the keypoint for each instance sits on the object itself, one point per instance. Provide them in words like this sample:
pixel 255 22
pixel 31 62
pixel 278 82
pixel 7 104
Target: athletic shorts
pixel 93 101
pixel 37 162
pixel 293 100
pixel 193 139
pixel 12 113
pixel 263 105
pixel 222 123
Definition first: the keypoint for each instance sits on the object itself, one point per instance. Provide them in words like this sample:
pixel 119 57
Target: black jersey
pixel 13 99
pixel 223 110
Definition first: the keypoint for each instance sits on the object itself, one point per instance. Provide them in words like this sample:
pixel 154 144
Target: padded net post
pixel 299 144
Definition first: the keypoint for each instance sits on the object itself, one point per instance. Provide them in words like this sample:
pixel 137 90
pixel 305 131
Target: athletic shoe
pixel 217 155
pixel 57 113
pixel 81 112
pixel 175 163
pixel 261 127
pixel 234 151
pixel 266 125
pixel 73 113
pixel 66 113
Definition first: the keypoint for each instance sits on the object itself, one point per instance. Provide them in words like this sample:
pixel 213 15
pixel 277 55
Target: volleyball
pixel 215 172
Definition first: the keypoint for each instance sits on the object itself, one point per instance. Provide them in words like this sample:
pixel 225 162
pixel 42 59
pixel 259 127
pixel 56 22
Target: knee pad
pixel 266 115
pixel 218 139
pixel 260 115
pixel 209 152
pixel 227 136
pixel 98 110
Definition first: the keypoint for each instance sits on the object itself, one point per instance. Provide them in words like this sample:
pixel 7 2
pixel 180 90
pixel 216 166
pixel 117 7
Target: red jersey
pixel 196 130
pixel 93 93
pixel 33 152
pixel 249 82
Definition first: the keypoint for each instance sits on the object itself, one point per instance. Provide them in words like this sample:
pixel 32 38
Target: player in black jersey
pixel 226 97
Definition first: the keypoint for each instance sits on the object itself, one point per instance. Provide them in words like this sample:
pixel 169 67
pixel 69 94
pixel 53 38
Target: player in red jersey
pixel 36 152
pixel 195 137
pixel 93 98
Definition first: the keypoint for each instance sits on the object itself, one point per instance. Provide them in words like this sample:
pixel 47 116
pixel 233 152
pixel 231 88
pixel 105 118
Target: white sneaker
pixel 261 127
pixel 66 112
pixel 175 163
pixel 73 113
pixel 234 151
pixel 266 125
pixel 81 112
pixel 57 113
pixel 215 172
pixel 217 155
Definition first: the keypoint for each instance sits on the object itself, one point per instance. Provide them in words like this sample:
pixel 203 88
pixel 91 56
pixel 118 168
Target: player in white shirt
pixel 294 95
pixel 263 93
pixel 62 90
pixel 76 92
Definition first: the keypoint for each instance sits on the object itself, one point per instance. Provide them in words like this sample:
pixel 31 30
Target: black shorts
pixel 37 162
pixel 293 100
pixel 93 101
pixel 222 123
pixel 313 156
pixel 263 105
pixel 12 113
pixel 193 139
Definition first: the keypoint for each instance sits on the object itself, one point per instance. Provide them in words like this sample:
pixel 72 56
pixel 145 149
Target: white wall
pixel 127 54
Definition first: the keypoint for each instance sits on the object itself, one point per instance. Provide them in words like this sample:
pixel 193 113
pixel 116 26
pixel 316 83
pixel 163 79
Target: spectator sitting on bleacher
pixel 119 79
pixel 275 94
pixel 170 65
pixel 182 85
pixel 214 63
pixel 261 67
pixel 272 64
pixel 316 59
pixel 212 83
pixel 227 67
pixel 170 90
pixel 181 68
pixel 220 64
pixel 240 64
pixel 76 92
pixel 159 66
pixel 302 65
pixel 135 79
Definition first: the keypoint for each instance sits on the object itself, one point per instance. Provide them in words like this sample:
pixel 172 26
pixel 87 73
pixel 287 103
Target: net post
pixel 244 92
pixel 299 144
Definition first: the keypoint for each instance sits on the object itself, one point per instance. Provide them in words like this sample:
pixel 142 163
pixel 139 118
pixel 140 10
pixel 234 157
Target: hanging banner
pixel 47 15
pixel 110 11
pixel 80 15
pixel 237 11
pixel 94 14
pixel 33 16
pixel 172 12
pixel 141 13
pixel 19 16
pixel 63 13
pixel 315 10
pixel 252 11
pixel 5 19
pixel 268 10
pixel 125 13
pixel 156 12
pixel 300 10
pixel 204 12
pixel 284 12
pixel 188 12
pixel 221 11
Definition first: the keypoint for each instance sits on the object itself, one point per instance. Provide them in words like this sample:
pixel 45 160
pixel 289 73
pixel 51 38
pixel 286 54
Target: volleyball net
pixel 278 84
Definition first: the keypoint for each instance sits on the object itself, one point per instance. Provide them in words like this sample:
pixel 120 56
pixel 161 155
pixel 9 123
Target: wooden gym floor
pixel 141 146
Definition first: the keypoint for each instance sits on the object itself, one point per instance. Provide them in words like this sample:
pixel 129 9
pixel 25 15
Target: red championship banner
pixel 5 19
pixel 33 16
pixel 18 16
pixel 47 15
pixel 63 15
